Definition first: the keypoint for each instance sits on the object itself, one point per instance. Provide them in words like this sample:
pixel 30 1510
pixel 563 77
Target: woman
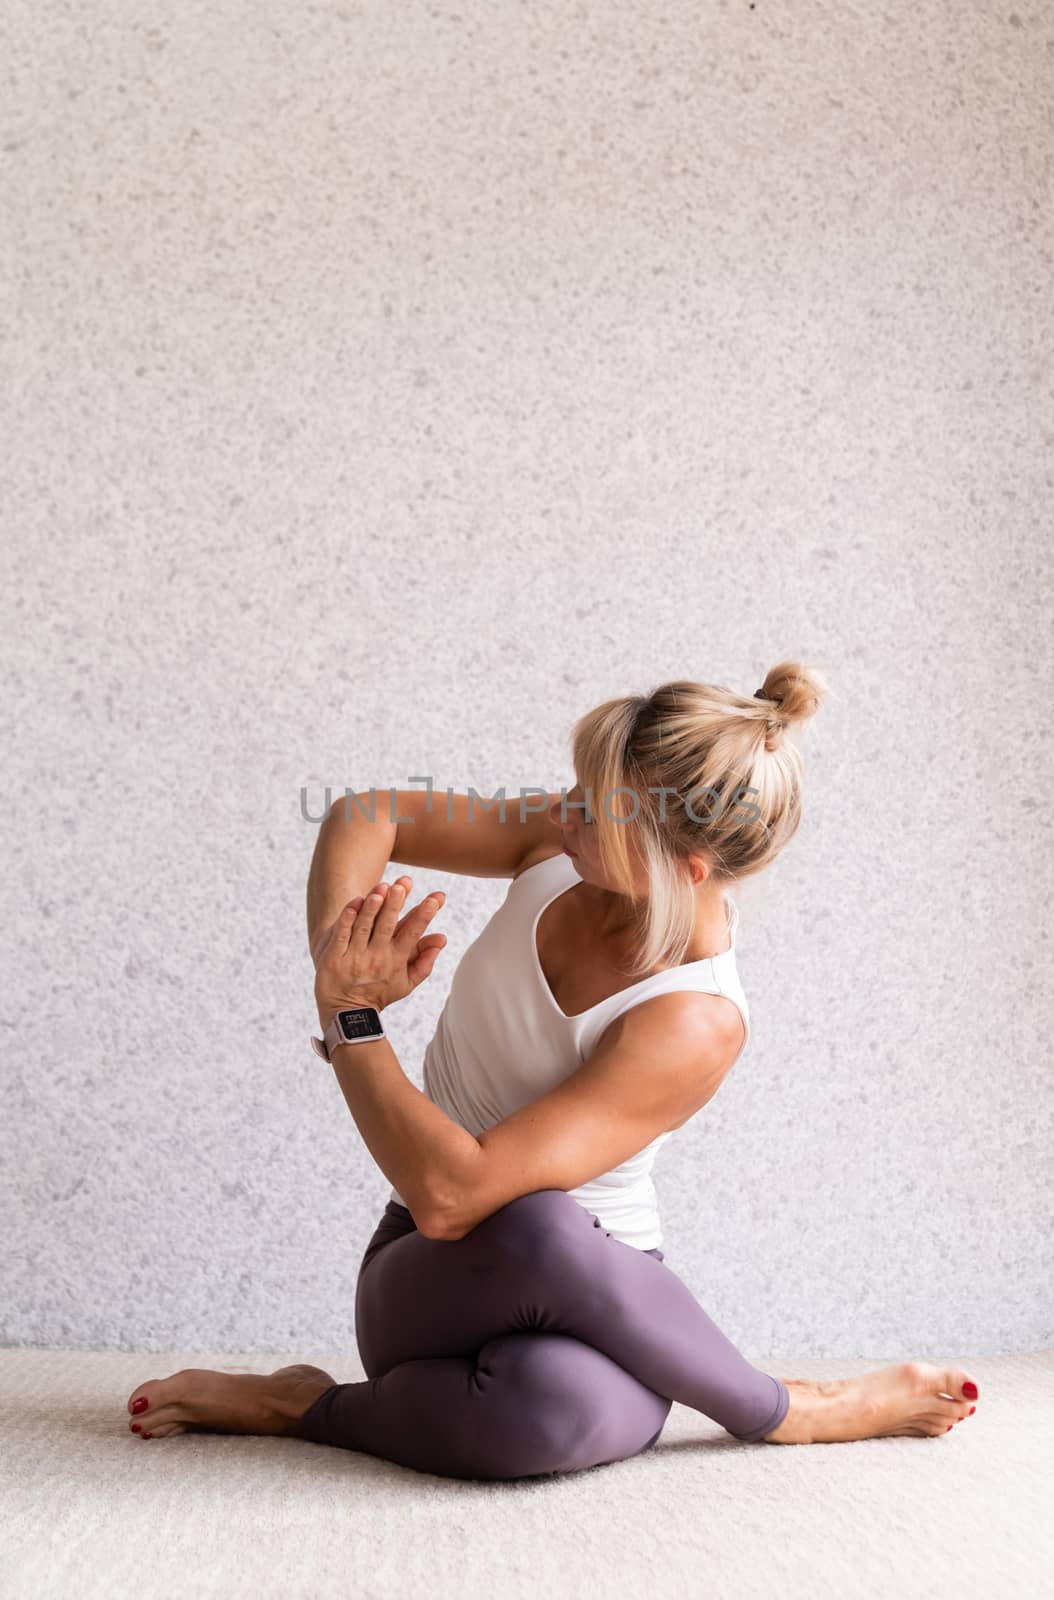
pixel 513 1312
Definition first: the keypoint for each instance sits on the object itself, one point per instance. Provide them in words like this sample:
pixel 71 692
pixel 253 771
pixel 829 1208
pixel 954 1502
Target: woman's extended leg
pixel 535 1312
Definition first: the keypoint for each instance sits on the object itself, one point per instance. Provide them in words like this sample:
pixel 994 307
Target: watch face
pixel 361 1023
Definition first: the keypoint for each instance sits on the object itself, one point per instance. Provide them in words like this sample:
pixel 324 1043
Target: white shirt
pixel 502 1041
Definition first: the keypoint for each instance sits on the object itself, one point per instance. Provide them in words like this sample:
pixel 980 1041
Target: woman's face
pixel 579 833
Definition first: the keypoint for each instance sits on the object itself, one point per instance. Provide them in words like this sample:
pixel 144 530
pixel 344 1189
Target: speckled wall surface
pixel 384 387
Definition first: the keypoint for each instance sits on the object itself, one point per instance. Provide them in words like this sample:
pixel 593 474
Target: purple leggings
pixel 535 1344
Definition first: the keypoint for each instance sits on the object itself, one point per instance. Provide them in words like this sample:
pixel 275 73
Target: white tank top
pixel 502 1041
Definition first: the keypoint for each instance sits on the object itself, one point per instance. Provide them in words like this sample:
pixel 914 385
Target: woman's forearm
pixel 352 853
pixel 422 1152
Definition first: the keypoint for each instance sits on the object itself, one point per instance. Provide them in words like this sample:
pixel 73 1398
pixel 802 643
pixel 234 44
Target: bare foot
pixel 912 1397
pixel 197 1400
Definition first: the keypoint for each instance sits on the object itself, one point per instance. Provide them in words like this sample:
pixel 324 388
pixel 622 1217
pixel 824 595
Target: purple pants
pixel 535 1344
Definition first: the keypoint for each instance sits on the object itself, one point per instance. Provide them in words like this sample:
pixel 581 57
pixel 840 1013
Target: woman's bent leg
pixel 544 1264
pixel 540 1265
pixel 523 1405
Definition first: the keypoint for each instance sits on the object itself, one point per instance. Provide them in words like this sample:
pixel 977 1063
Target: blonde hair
pixel 708 771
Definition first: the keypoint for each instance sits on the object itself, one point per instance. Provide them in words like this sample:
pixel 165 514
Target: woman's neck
pixel 613 916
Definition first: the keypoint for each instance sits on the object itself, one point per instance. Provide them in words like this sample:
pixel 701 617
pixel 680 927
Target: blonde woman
pixel 513 1311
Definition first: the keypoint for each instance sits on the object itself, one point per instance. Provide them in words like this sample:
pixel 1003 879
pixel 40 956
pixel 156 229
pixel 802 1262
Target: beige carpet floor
pixel 91 1512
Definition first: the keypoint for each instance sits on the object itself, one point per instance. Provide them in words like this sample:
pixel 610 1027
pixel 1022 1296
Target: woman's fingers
pixel 335 939
pixel 368 915
pixel 388 914
pixel 427 952
pixel 380 911
pixel 408 934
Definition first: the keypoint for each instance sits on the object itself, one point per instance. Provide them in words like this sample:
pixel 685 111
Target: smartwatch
pixel 354 1026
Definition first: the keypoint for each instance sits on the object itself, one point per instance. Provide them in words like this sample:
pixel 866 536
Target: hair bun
pixel 797 689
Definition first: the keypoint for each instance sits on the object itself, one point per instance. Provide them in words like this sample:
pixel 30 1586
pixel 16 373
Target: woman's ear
pixel 699 868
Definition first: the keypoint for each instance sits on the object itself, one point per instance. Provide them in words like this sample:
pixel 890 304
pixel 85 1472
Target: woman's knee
pixel 537 1226
pixel 575 1407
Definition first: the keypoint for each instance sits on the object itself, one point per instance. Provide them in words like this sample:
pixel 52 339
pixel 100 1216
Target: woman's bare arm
pixel 352 853
pixel 448 833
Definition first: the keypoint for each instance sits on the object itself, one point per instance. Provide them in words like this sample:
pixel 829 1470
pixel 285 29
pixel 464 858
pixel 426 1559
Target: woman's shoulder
pixel 537 858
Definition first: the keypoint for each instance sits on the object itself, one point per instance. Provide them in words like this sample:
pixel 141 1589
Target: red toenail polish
pixel 948 1429
pixel 140 1404
pixel 970 1390
pixel 135 1427
pixel 971 1411
pixel 148 1436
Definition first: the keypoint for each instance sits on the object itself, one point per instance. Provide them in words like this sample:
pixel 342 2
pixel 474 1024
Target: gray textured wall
pixel 385 386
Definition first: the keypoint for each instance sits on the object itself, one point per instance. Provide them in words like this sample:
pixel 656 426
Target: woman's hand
pixel 368 959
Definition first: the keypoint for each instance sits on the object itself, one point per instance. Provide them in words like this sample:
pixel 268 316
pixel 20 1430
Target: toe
pixel 163 1430
pixel 156 1392
pixel 960 1384
pixel 160 1417
pixel 936 1425
pixel 141 1399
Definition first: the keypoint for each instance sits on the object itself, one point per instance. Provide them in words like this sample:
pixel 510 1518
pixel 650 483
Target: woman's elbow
pixel 432 1226
pixel 439 1219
